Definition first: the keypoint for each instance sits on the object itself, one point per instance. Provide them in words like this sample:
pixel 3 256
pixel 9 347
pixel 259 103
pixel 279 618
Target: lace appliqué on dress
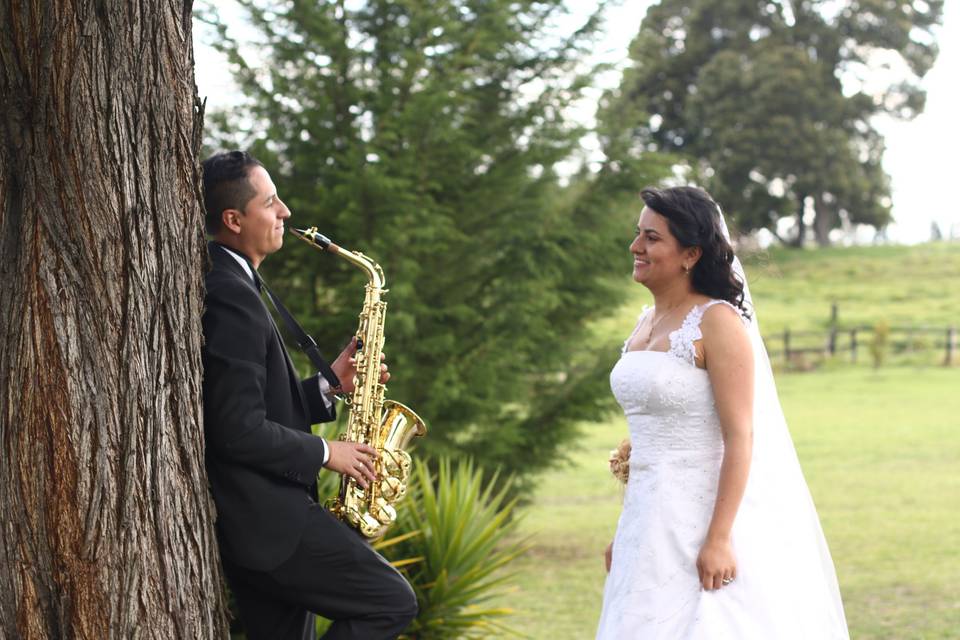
pixel 682 340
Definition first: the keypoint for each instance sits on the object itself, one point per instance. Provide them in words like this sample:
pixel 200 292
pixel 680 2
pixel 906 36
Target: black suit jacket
pixel 262 460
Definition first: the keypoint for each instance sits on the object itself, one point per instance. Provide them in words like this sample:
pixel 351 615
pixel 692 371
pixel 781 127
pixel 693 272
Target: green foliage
pixel 750 91
pixel 425 135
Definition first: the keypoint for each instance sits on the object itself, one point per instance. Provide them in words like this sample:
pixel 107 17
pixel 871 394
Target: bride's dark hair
pixel 694 220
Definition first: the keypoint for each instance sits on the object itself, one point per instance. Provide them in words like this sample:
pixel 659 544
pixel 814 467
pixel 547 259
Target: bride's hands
pixel 716 564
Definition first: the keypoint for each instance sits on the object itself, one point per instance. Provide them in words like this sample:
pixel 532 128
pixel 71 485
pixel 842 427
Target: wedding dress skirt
pixel 785 588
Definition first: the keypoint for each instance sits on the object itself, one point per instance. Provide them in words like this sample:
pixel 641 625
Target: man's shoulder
pixel 224 271
pixel 224 285
pixel 230 304
pixel 221 282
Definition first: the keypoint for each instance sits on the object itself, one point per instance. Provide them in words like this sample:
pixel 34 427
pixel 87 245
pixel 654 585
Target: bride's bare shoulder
pixel 722 320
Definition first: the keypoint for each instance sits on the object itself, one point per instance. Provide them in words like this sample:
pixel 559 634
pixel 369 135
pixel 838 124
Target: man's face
pixel 261 221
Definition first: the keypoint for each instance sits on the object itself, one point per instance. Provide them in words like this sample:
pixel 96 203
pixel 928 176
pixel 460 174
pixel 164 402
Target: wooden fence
pixel 851 341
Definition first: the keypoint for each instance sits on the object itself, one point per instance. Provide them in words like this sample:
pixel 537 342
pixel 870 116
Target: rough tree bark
pixel 105 520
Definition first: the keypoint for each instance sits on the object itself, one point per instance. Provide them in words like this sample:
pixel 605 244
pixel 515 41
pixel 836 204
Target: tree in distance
pixel 767 101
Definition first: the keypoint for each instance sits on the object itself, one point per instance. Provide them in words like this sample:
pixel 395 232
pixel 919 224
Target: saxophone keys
pixel 369 526
pixel 396 462
pixel 385 513
pixel 392 488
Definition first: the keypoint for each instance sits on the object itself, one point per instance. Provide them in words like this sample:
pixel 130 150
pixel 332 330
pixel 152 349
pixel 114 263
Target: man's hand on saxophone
pixel 350 458
pixel 345 366
pixel 354 460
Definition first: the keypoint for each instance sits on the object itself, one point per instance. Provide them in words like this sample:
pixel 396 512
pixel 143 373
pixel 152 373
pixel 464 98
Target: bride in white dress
pixel 718 538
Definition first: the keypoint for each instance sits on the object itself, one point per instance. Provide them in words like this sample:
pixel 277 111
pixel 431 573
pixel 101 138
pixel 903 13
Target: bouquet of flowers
pixel 620 461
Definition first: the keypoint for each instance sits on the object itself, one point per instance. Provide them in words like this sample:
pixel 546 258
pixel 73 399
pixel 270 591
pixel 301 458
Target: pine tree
pixel 426 136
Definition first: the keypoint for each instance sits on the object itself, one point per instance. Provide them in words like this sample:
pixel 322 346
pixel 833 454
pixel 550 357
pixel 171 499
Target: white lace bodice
pixel 668 402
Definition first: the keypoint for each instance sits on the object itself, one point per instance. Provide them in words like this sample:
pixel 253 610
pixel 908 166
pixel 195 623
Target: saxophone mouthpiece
pixel 317 239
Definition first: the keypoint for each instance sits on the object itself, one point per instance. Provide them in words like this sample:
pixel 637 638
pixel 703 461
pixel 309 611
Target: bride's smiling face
pixel 657 256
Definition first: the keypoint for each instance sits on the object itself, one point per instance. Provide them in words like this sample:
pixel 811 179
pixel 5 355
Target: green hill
pixel 918 285
pixel 902 286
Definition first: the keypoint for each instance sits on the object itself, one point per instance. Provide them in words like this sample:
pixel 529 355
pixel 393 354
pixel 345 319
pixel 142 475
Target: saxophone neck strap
pixel 306 343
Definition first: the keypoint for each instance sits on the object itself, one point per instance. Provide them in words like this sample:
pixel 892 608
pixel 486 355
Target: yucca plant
pixel 464 545
pixel 453 540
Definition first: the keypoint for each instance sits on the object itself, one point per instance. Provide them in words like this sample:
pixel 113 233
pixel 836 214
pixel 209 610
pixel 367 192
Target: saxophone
pixel 385 425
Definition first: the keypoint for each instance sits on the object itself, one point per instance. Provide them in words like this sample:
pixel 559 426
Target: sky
pixel 921 155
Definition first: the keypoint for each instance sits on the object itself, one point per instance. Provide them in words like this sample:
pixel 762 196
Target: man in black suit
pixel 284 555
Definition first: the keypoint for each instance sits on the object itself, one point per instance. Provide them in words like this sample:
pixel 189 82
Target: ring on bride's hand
pixel 727 580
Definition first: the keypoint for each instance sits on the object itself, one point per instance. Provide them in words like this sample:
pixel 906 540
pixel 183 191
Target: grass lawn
pixel 880 450
pixel 881 453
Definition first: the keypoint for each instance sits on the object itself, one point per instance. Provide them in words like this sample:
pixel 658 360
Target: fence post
pixel 951 345
pixel 853 346
pixel 832 345
pixel 786 345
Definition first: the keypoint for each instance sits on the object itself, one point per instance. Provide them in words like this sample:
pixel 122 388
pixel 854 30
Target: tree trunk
pixel 823 223
pixel 801 225
pixel 105 514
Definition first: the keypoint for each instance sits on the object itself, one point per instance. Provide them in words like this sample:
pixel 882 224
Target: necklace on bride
pixel 655 322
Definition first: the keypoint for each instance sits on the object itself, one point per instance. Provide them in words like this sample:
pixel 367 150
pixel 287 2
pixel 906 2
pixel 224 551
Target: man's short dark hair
pixel 226 185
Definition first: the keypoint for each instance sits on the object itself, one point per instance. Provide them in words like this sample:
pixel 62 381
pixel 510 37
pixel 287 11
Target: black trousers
pixel 333 573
